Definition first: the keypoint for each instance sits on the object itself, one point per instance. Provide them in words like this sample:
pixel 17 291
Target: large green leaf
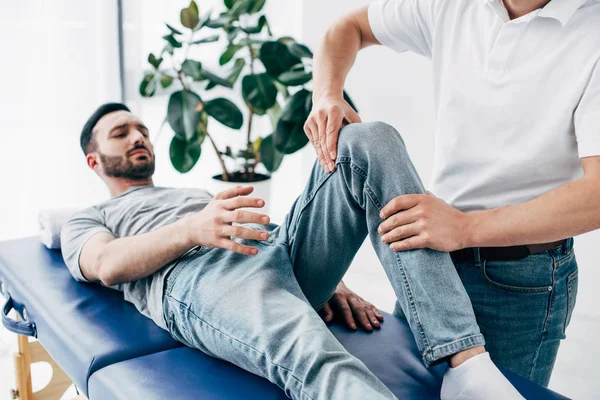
pixel 184 155
pixel 233 75
pixel 240 7
pixel 219 22
pixel 173 30
pixel 230 3
pixel 225 112
pixel 269 155
pixel 259 92
pixel 148 85
pixel 277 58
pixel 172 41
pixel 295 108
pixel 190 17
pixel 295 78
pixel 208 39
pixel 215 79
pixel 252 30
pixel 193 69
pixel 299 50
pixel 166 81
pixel 155 62
pixel 289 136
pixel 182 114
pixel 229 53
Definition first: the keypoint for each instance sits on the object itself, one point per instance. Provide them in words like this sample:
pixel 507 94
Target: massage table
pixel 95 339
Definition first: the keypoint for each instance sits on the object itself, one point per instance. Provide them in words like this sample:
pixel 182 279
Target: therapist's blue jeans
pixel 260 312
pixel 523 307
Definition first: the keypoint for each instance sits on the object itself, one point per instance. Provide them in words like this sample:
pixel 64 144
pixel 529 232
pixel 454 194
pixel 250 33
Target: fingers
pixel 326 313
pixel 401 232
pixel 414 242
pixel 402 202
pixel 318 138
pixel 360 314
pixel 241 202
pixel 243 233
pixel 373 319
pixel 344 308
pixel 237 247
pixel 234 192
pixel 242 216
pixel 312 131
pixel 334 123
pixel 394 221
pixel 328 165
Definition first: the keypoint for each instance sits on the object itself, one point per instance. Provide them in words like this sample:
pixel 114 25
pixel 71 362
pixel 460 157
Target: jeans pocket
pixel 572 284
pixel 531 274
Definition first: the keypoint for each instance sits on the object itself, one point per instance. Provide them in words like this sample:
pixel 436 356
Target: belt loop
pixel 476 255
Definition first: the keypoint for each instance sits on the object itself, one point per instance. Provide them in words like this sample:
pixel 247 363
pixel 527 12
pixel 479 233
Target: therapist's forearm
pixel 131 258
pixel 566 211
pixel 335 57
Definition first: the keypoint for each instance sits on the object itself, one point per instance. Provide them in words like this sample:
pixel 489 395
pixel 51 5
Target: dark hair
pixel 87 134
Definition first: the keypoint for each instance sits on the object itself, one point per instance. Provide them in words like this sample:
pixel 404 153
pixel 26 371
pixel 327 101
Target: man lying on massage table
pixel 250 293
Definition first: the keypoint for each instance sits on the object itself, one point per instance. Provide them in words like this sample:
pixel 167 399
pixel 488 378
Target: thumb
pixel 327 313
pixel 431 194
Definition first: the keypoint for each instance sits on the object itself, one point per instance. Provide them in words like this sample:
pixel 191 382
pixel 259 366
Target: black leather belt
pixel 504 253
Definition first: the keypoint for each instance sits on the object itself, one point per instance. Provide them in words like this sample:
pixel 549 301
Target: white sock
pixel 475 379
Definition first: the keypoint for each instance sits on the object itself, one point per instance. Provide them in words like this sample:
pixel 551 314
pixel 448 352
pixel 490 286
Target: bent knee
pixel 371 134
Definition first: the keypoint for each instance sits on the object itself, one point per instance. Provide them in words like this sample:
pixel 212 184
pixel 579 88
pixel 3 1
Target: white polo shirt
pixel 517 103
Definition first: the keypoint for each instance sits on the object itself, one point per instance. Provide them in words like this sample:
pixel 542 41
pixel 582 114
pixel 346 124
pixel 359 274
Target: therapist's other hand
pixel 415 221
pixel 352 308
pixel 213 226
pixel 329 114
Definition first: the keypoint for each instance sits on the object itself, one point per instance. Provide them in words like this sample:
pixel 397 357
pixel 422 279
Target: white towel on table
pixel 51 223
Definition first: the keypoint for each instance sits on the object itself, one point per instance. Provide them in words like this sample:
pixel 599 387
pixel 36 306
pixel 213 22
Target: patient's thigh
pixel 241 308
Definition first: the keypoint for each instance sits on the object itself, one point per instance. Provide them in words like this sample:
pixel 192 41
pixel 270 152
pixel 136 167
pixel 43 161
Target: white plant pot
pixel 262 190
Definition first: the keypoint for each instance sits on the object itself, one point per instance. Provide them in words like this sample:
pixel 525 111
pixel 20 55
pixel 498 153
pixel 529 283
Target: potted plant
pixel 271 76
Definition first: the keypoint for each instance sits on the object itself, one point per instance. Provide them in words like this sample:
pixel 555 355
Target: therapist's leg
pixel 330 220
pixel 251 312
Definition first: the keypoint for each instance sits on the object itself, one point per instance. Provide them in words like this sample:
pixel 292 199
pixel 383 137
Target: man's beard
pixel 119 167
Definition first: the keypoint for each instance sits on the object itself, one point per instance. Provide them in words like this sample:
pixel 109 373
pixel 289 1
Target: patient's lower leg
pixel 337 211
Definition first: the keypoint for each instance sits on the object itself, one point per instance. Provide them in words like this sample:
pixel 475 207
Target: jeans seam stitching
pixel 378 204
pixel 242 344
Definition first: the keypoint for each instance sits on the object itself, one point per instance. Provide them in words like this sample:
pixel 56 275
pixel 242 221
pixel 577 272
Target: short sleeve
pixel 405 25
pixel 75 233
pixel 587 117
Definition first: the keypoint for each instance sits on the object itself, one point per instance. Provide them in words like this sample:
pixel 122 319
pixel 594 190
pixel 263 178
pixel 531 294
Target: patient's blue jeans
pixel 259 312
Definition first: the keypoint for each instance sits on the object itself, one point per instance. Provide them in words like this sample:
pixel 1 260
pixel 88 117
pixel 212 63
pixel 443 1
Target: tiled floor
pixel 576 373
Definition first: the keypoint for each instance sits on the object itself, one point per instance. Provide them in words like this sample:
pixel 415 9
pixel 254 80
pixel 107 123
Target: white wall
pixel 59 62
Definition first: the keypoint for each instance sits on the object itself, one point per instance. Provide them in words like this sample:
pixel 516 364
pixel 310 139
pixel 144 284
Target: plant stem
pixel 226 177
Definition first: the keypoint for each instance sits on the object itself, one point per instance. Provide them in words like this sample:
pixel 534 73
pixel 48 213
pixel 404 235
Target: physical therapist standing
pixel 516 152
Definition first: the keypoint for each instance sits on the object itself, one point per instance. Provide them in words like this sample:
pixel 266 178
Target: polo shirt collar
pixel 561 10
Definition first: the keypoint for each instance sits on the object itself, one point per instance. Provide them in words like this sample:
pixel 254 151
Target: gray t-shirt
pixel 138 210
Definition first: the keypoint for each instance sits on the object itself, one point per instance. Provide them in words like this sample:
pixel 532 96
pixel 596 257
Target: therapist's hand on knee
pixel 413 221
pixel 329 114
pixel 213 226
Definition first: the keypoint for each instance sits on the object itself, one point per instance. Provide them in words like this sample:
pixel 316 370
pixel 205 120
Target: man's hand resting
pixel 351 307
pixel 213 226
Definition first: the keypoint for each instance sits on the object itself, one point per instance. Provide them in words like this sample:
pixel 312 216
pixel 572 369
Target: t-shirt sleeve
pixel 75 233
pixel 587 117
pixel 405 24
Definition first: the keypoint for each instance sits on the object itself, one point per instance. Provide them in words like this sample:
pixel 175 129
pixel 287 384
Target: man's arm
pixel 424 221
pixel 566 211
pixel 333 61
pixel 110 260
